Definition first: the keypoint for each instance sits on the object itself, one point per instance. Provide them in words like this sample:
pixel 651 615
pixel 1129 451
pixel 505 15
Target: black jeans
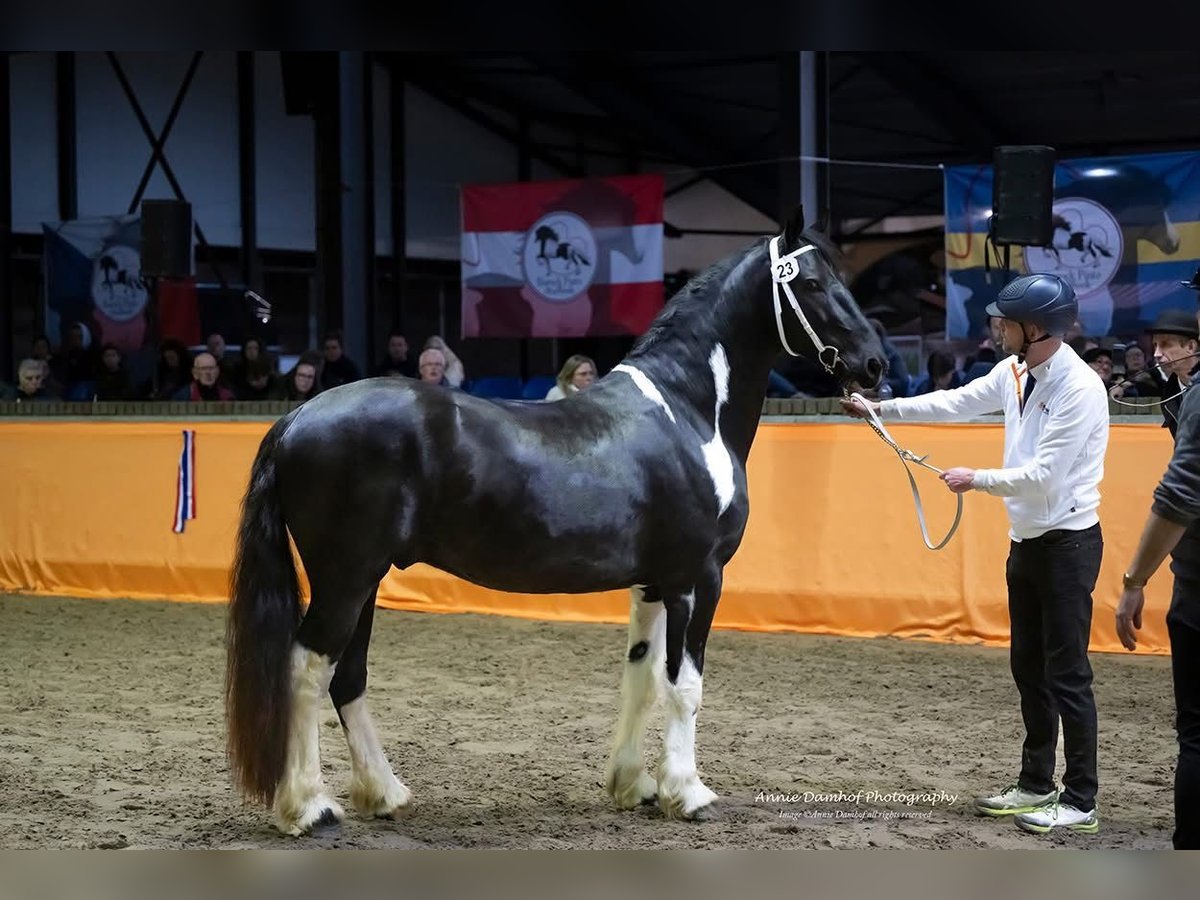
pixel 1050 583
pixel 1185 671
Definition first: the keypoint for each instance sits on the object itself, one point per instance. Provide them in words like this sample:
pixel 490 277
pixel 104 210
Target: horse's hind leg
pixel 681 793
pixel 627 781
pixel 375 790
pixel 301 801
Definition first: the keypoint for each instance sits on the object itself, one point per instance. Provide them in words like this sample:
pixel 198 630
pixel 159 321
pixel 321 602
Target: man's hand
pixel 855 407
pixel 1129 616
pixel 1117 391
pixel 959 480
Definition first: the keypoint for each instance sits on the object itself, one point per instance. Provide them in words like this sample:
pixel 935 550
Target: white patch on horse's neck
pixel 646 386
pixel 716 454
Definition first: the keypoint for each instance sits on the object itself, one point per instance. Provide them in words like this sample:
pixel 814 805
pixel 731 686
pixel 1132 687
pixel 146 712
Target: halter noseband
pixel 784 270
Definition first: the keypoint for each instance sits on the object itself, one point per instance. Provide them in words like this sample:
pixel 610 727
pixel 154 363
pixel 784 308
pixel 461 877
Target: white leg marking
pixel 681 793
pixel 716 454
pixel 300 799
pixel 627 782
pixel 374 788
pixel 646 386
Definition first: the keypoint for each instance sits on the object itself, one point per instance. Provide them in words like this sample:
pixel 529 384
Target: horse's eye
pixel 811 284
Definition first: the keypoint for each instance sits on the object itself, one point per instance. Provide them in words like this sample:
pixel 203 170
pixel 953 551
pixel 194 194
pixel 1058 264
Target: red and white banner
pixel 562 258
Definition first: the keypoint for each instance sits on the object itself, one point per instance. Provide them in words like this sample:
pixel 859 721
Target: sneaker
pixel 1058 815
pixel 1013 801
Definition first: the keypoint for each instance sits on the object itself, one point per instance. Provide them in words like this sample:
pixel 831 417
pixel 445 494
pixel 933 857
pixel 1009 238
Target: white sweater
pixel 1053 453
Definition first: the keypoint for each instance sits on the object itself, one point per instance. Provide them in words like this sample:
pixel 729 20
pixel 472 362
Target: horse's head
pixel 815 314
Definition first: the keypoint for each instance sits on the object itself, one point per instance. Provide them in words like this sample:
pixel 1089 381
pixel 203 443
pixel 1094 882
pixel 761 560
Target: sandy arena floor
pixel 111 736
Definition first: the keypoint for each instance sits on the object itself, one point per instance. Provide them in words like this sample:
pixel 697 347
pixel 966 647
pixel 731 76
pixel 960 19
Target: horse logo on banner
pixel 559 256
pixel 1085 251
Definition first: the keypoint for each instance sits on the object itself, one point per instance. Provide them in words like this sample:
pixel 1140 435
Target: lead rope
pixel 906 457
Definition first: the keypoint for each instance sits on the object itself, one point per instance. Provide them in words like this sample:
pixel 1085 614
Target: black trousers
pixel 1185 671
pixel 1050 583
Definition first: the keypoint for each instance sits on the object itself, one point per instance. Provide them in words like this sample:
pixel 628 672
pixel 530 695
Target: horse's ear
pixel 793 228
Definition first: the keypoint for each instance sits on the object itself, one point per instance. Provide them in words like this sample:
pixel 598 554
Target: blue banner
pixel 1126 233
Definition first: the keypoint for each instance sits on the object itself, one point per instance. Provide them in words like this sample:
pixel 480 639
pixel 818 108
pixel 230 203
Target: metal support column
pixel 327 146
pixel 803 132
pixel 64 108
pixel 399 218
pixel 357 204
pixel 814 132
pixel 247 175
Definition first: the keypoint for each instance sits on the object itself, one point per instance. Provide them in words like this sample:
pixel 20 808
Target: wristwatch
pixel 1132 583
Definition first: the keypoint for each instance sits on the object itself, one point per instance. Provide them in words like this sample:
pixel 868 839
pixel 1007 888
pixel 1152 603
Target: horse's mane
pixel 700 293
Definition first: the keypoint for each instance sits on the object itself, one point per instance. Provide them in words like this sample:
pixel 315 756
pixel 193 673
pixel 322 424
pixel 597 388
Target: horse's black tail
pixel 264 613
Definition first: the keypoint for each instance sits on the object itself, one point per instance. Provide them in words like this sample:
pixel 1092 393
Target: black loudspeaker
pixel 166 238
pixel 1023 196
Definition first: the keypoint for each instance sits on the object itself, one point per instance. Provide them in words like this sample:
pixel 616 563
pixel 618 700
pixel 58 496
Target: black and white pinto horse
pixel 638 482
pixel 1087 245
pixel 563 250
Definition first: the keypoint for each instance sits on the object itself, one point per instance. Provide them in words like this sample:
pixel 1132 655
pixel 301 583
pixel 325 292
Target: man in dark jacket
pixel 1174 527
pixel 1176 339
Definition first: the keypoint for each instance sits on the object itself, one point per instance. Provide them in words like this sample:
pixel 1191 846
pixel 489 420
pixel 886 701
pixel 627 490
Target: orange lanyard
pixel 1017 379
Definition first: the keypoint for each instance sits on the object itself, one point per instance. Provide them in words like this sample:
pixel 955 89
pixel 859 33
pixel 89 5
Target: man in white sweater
pixel 1055 437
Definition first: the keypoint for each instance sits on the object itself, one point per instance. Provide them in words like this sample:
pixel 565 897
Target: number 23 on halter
pixel 786 270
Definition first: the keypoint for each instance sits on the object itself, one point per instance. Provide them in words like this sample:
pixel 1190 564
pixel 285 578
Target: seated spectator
pixel 252 353
pixel 76 362
pixel 339 369
pixel 174 370
pixel 941 374
pixel 577 373
pixel 302 382
pixel 397 361
pixel 1100 359
pixel 897 371
pixel 112 381
pixel 227 364
pixel 985 361
pixel 1137 377
pixel 40 348
pixel 205 376
pixel 455 373
pixel 256 381
pixel 432 368
pixel 30 375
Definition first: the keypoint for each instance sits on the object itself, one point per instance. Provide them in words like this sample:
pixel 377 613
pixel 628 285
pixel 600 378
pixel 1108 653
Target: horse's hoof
pixel 394 801
pixel 320 812
pixel 688 799
pixel 630 790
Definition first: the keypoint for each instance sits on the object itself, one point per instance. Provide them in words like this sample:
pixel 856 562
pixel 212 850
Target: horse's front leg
pixel 681 793
pixel 627 782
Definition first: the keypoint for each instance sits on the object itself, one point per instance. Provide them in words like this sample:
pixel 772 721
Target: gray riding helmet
pixel 1043 300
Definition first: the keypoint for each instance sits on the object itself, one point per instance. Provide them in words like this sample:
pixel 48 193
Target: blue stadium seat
pixel 502 387
pixel 537 387
pixel 83 391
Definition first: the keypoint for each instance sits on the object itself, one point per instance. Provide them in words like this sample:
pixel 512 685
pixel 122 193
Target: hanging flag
pixel 185 485
pixel 93 278
pixel 179 310
pixel 562 258
pixel 1126 233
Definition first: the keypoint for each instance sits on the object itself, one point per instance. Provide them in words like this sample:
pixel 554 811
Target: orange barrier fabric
pixel 832 546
